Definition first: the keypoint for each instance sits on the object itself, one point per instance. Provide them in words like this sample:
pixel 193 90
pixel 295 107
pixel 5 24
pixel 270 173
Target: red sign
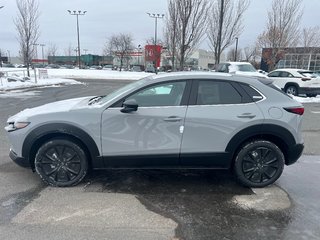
pixel 153 54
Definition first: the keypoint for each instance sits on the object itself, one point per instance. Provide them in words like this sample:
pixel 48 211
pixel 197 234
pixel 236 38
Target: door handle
pixel 172 119
pixel 247 115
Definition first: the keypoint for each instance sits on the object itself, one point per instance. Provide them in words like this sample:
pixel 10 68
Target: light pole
pixel 156 16
pixel 77 14
pixel 42 45
pixel 236 52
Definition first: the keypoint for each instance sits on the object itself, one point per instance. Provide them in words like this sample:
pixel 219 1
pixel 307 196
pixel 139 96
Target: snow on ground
pixel 97 74
pixel 307 99
pixel 61 76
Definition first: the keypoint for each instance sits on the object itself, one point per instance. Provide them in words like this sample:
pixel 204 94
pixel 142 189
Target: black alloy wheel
pixel 61 163
pixel 259 163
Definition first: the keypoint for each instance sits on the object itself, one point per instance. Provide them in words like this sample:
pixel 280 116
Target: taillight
pixel 297 110
pixel 305 79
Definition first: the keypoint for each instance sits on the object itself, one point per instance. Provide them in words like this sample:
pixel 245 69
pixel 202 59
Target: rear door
pixel 217 111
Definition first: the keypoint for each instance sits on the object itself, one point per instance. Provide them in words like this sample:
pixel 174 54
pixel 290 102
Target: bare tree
pixel 232 52
pixel 185 26
pixel 232 27
pixel 28 28
pixel 311 37
pixel 282 30
pixel 52 50
pixel 121 46
pixel 69 50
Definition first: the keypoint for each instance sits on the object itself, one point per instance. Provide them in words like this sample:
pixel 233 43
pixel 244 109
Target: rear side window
pixel 217 92
pixel 254 94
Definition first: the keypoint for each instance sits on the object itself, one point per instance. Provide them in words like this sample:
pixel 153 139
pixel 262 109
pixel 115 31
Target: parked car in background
pixel 239 68
pixel 178 120
pixel 108 67
pixel 296 81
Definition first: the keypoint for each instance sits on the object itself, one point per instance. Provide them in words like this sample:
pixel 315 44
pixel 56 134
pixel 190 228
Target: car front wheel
pixel 258 163
pixel 61 163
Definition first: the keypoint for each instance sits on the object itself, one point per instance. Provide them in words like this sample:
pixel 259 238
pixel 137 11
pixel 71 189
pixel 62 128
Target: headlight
pixel 12 126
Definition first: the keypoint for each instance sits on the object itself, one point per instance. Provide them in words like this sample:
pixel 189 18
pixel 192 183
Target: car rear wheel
pixel 61 163
pixel 293 90
pixel 258 163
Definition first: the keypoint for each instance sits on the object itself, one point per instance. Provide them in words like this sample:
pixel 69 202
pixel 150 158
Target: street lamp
pixel 236 52
pixel 77 14
pixel 156 16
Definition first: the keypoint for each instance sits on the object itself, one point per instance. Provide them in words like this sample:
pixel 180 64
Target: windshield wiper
pixel 95 99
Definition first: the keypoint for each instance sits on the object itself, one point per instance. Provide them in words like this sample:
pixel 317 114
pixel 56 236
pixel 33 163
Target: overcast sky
pixel 107 17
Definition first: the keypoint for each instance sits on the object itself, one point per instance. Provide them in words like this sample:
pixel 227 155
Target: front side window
pixel 216 92
pixel 163 94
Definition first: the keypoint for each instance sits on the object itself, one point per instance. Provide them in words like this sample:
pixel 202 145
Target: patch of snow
pixel 307 99
pixel 19 94
pixel 9 85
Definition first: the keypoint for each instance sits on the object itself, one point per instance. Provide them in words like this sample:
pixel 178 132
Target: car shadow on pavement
pixel 200 201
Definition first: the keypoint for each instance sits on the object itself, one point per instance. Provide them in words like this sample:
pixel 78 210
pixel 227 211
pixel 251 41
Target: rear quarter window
pixel 254 94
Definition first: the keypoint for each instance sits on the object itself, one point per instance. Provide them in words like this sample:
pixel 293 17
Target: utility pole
pixel 77 14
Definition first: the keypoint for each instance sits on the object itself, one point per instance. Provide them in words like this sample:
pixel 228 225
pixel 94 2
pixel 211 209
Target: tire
pixel 61 163
pixel 258 164
pixel 311 95
pixel 293 90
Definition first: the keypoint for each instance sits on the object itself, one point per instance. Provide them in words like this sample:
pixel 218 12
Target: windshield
pixel 124 89
pixel 246 68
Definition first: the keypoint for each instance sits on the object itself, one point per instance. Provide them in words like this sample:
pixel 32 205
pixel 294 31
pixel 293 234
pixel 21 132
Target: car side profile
pixel 296 81
pixel 177 120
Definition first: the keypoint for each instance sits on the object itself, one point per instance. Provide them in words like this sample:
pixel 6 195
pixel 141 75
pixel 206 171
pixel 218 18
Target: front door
pixel 150 136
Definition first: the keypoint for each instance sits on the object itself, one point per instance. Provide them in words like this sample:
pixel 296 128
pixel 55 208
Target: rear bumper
pixel 294 153
pixel 21 161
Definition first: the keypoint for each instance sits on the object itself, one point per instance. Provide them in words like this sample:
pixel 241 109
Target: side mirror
pixel 130 105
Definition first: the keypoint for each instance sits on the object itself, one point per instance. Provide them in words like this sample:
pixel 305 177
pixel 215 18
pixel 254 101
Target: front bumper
pixel 294 153
pixel 21 161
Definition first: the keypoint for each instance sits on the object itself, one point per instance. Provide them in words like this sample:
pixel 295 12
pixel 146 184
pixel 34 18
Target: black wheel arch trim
pixel 56 129
pixel 261 130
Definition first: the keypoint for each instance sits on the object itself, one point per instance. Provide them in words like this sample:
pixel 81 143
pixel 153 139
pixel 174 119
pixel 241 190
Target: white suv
pixel 296 81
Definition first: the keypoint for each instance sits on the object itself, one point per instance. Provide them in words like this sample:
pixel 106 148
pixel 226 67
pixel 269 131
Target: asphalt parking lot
pixel 154 204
